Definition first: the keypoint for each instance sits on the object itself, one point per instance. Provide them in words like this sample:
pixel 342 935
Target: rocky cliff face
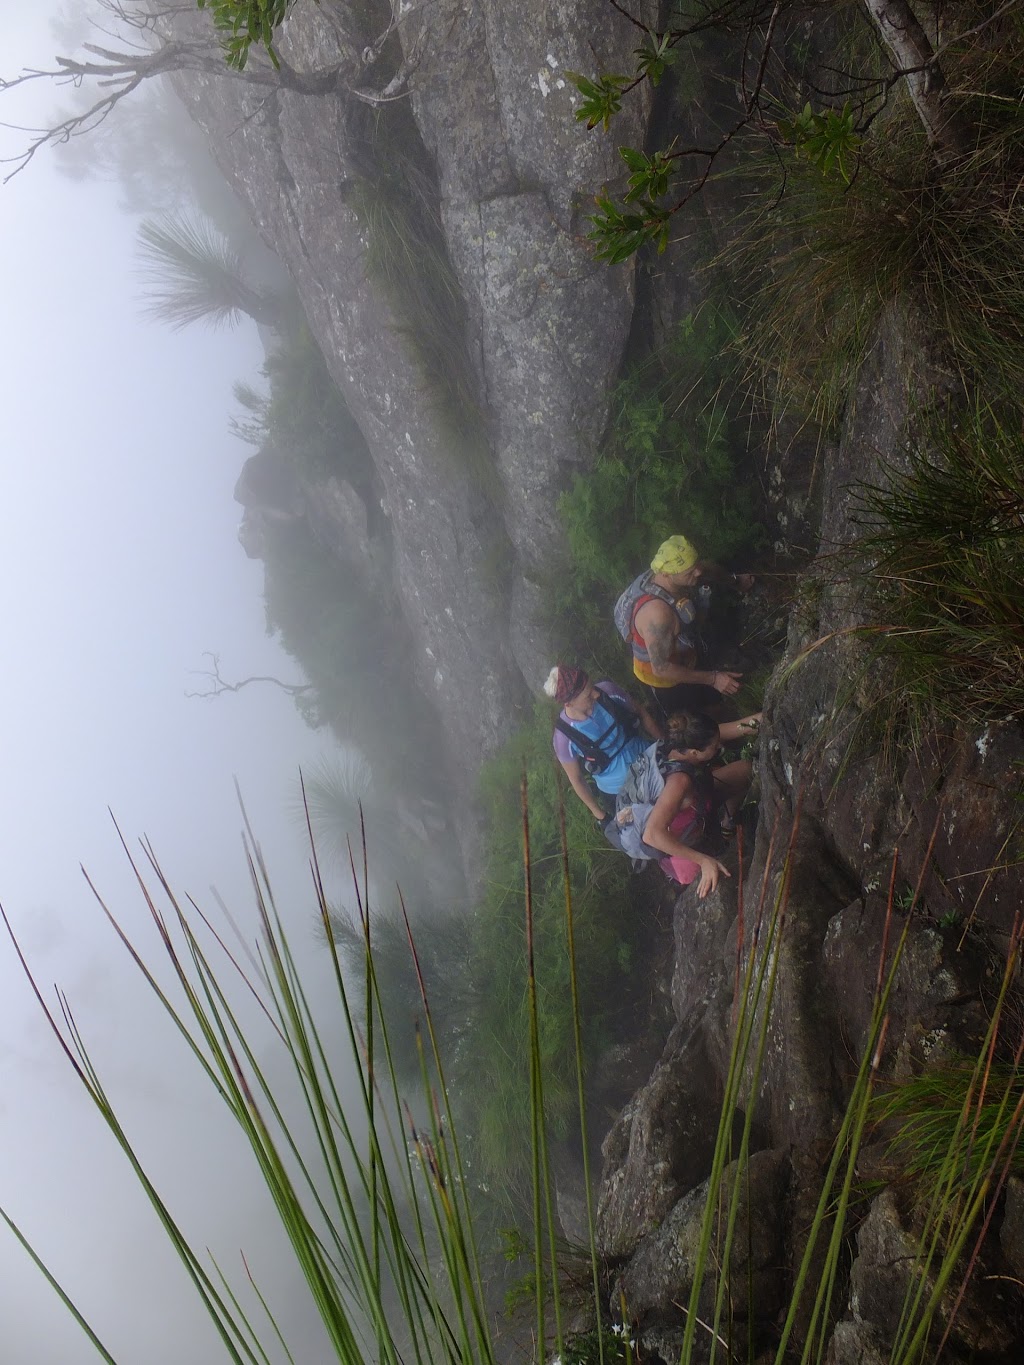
pixel 544 324
pixel 831 815
pixel 542 333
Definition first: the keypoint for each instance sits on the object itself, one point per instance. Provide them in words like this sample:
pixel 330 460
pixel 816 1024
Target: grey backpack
pixel 638 796
pixel 644 586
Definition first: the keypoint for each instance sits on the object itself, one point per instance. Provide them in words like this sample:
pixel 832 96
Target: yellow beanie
pixel 676 555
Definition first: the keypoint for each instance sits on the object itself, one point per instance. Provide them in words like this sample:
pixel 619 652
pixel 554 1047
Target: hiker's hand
pixel 710 871
pixel 744 581
pixel 726 683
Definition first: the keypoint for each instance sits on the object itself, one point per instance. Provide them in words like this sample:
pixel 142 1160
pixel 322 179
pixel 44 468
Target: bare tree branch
pixel 219 685
pixel 148 49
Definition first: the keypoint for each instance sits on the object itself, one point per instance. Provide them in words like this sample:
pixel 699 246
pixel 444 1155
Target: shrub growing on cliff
pixel 344 640
pixel 675 460
pixel 304 419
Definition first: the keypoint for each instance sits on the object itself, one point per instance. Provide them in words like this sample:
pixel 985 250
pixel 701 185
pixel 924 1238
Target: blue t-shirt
pixel 596 727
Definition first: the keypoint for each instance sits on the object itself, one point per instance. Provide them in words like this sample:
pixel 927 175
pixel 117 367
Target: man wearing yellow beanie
pixel 662 634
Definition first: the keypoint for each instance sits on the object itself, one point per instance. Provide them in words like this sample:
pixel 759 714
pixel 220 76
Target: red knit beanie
pixel 565 682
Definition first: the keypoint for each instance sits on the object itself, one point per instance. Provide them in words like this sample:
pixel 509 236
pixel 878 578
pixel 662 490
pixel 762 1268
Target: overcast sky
pixel 120 567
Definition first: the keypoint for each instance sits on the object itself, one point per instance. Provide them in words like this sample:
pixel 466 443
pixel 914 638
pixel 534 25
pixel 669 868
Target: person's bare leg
pixel 732 784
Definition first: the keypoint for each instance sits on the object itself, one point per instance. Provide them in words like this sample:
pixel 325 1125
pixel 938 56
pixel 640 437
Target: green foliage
pixel 648 174
pixel 490 1072
pixel 653 56
pixel 675 461
pixel 344 639
pixel 942 548
pixel 828 140
pixel 618 233
pixel 945 1109
pixel 305 416
pixel 240 23
pixel 601 97
pixel 598 1345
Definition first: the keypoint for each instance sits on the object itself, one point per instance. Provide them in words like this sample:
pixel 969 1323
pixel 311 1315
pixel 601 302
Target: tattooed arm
pixel 658 625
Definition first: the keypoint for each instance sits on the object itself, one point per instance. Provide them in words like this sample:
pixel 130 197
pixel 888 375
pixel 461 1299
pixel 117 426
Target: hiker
pixel 658 615
pixel 669 803
pixel 597 734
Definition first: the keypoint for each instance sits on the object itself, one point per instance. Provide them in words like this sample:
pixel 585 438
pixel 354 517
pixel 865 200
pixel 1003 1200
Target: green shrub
pixel 491 1071
pixel 827 252
pixel 675 461
pixel 344 639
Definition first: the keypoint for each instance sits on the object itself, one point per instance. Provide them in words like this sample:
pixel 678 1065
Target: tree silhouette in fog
pixel 192 273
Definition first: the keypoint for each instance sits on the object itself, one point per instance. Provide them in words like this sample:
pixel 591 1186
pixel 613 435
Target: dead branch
pixel 147 49
pixel 218 685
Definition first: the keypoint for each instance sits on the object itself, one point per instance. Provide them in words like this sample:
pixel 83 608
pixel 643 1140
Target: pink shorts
pixel 681 870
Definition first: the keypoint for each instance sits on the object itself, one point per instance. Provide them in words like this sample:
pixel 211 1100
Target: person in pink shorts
pixel 695 795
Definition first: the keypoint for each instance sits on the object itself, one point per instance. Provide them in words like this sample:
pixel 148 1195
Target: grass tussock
pixel 831 249
pixel 373 1191
pixel 942 549
pixel 952 1112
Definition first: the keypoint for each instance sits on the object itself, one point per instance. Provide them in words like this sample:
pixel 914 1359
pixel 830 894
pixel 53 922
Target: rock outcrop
pixel 492 131
pixel 541 330
pixel 831 816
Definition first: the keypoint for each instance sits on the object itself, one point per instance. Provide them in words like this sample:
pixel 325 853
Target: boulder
pixel 658 1279
pixel 987 1323
pixel 661 1145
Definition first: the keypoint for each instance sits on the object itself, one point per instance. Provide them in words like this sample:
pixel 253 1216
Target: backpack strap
pixel 589 747
pixel 593 750
pixel 618 710
pixel 652 590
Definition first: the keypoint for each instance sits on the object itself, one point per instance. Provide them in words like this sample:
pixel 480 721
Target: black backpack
pixel 595 757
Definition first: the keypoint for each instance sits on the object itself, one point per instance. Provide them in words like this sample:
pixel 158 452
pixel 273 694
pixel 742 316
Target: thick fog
pixel 120 568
